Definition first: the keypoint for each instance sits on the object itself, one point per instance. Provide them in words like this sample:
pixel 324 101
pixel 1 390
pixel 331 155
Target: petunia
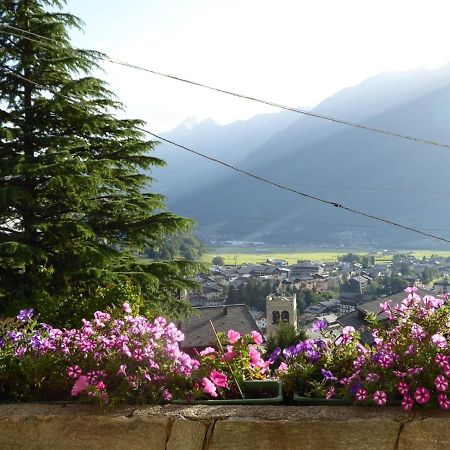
pixel 422 395
pixel 403 388
pixel 319 326
pixel 380 398
pixel 219 378
pixel 80 385
pixel 209 387
pixel 257 338
pixel 74 371
pixel 441 383
pixel 166 395
pixel 361 394
pixel 207 351
pixel 439 340
pixel 25 315
pixel 407 403
pixel 327 375
pixel 233 336
pixel 444 402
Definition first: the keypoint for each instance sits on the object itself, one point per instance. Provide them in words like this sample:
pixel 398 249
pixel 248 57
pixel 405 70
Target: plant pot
pixel 315 401
pixel 253 389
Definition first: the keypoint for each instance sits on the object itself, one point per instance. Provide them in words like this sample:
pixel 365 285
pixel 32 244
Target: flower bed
pixel 118 357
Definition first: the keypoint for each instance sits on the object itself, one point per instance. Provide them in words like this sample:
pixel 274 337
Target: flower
pixel 330 393
pixel 444 402
pixel 126 308
pixel 283 367
pixel 441 360
pixel 233 336
pixel 439 340
pixel 74 371
pixel 441 383
pixel 403 388
pixel 380 398
pixel 372 377
pixel 122 370
pixel 407 403
pixel 100 386
pixel 319 326
pixel 218 378
pixel 209 387
pixel 207 351
pixel 327 375
pixel 257 338
pixel 422 395
pixel 361 394
pixel 166 395
pixel 80 385
pixel 25 315
pixel 348 331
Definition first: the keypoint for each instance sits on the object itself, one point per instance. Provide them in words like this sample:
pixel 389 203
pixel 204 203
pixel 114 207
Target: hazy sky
pixel 292 52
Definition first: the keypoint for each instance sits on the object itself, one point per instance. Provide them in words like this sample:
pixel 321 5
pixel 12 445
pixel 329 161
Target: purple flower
pixel 422 395
pixel 327 375
pixel 166 395
pixel 444 402
pixel 319 326
pixel 74 371
pixel 439 340
pixel 274 355
pixel 403 388
pixel 25 315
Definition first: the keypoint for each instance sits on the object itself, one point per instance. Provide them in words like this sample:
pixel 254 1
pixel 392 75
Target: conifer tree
pixel 73 208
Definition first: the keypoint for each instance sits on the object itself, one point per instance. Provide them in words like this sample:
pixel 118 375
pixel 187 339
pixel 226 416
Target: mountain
pixel 382 175
pixel 186 172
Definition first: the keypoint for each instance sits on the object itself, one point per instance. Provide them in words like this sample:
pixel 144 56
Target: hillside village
pixel 339 293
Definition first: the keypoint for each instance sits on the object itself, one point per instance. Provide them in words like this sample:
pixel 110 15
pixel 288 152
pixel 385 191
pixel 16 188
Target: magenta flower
pixel 255 356
pixel 444 402
pixel 441 383
pixel 407 403
pixel 330 393
pixel 100 386
pixel 74 371
pixel 257 338
pixel 80 385
pixel 441 360
pixel 403 388
pixel 219 379
pixel 380 398
pixel 228 356
pixel 446 369
pixel 166 395
pixel 233 336
pixel 422 395
pixel 361 394
pixel 209 387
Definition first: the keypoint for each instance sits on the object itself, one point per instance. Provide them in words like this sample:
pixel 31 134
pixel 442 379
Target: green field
pixel 240 255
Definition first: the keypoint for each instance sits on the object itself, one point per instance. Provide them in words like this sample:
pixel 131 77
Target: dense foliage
pixel 73 208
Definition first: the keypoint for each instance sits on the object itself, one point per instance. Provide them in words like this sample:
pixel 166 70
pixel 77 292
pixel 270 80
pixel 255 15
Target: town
pixel 273 293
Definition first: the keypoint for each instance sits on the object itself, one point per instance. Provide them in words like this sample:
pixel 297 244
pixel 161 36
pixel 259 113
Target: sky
pixel 293 52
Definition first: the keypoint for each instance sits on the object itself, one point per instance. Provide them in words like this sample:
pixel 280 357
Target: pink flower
pixel 441 383
pixel 380 398
pixel 166 395
pixel 257 338
pixel 348 331
pixel 101 386
pixel 282 367
pixel 122 370
pixel 228 356
pixel 218 378
pixel 439 340
pixel 255 356
pixel 361 394
pixel 443 401
pixel 207 351
pixel 330 393
pixel 446 369
pixel 407 403
pixel 80 385
pixel 209 387
pixel 422 395
pixel 403 388
pixel 233 336
pixel 441 360
pixel 126 308
pixel 74 371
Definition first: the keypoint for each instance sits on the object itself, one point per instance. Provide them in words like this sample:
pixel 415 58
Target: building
pixel 280 310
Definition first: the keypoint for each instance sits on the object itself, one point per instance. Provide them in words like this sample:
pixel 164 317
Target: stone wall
pixel 71 426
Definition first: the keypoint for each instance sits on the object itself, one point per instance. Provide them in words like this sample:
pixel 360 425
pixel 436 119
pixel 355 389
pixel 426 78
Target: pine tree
pixel 73 208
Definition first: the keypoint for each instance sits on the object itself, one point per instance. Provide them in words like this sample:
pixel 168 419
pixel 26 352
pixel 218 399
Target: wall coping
pixel 206 427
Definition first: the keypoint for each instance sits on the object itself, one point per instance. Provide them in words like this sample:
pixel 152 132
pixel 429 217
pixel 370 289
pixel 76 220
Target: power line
pixel 252 175
pixel 243 96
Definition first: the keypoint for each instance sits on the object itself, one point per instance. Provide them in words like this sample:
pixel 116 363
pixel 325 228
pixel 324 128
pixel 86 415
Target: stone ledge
pixel 170 427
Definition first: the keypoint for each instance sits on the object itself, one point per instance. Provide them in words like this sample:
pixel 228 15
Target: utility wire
pixel 249 174
pixel 235 94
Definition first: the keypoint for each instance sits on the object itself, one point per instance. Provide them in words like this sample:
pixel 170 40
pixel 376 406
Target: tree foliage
pixel 73 208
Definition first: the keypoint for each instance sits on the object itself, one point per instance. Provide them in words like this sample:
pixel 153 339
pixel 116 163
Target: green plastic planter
pixel 252 391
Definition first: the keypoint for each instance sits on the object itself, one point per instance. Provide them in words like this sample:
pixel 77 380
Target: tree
pixel 73 208
pixel 218 261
